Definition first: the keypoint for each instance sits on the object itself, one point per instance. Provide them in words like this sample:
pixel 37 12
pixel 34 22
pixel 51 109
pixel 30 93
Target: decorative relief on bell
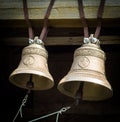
pixel 35 50
pixel 29 60
pixel 83 51
pixel 83 62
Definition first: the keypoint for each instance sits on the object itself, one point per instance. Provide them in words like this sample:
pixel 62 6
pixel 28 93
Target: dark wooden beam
pixel 55 41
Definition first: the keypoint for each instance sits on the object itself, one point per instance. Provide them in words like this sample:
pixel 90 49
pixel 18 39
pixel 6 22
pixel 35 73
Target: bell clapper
pixel 30 84
pixel 79 94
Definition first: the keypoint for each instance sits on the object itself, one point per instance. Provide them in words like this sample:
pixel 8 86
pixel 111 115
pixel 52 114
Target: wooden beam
pixel 63 14
pixel 59 13
pixel 59 23
pixel 54 41
pixel 58 3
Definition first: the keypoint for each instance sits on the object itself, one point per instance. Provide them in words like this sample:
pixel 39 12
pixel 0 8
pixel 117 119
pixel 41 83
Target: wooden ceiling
pixel 64 36
pixel 64 21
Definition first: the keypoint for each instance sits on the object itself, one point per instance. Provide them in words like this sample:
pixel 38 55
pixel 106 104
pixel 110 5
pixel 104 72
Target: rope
pixel 43 33
pixel 26 16
pixel 82 16
pixel 44 29
pixel 57 117
pixel 62 110
pixel 21 106
pixel 99 18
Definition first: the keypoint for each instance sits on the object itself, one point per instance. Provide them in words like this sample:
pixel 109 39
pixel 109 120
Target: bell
pixel 88 71
pixel 33 69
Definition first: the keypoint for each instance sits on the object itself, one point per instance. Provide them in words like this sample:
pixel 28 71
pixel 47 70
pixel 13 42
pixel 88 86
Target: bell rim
pixel 37 73
pixel 63 81
pixel 61 89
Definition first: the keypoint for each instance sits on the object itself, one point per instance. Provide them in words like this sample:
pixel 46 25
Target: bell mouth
pixel 40 80
pixel 94 89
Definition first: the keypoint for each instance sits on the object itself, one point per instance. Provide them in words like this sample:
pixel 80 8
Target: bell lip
pixel 38 73
pixel 65 92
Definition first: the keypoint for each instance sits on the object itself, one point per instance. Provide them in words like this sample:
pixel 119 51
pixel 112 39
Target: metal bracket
pixel 91 39
pixel 36 40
